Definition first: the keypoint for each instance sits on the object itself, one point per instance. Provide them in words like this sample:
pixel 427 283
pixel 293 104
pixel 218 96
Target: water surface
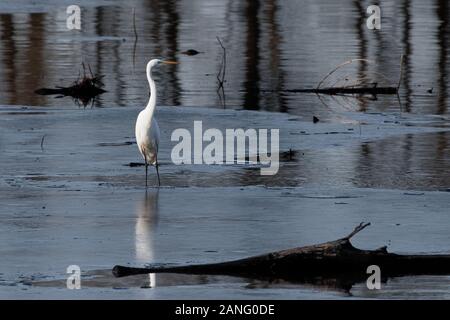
pixel 68 193
pixel 272 47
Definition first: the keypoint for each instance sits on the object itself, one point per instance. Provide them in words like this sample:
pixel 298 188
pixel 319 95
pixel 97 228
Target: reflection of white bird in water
pixel 146 222
pixel 147 130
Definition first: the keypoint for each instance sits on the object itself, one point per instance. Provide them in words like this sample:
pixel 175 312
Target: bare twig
pixel 90 71
pixel 358 228
pixel 84 69
pixel 221 75
pixel 337 68
pixel 401 72
pixel 135 38
pixel 399 102
pixel 134 24
pixel 223 66
pixel 42 142
pixel 222 98
pixel 346 105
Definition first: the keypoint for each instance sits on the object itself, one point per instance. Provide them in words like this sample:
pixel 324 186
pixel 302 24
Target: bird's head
pixel 156 62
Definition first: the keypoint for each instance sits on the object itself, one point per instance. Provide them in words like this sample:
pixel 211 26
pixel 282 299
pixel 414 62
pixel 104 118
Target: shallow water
pixel 75 200
pixel 68 194
pixel 47 230
pixel 81 147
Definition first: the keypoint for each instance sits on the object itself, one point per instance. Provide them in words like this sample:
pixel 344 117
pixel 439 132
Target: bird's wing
pixel 155 133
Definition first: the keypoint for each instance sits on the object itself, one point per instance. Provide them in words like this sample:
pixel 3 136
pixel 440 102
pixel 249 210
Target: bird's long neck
pixel 151 105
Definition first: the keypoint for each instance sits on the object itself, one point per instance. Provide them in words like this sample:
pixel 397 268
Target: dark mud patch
pixel 105 279
pixel 313 196
pixel 115 144
pixel 284 156
pixel 38 178
pixel 20 113
pixel 135 164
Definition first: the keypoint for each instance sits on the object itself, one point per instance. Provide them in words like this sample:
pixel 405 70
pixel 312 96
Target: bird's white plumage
pixel 147 129
pixel 147 136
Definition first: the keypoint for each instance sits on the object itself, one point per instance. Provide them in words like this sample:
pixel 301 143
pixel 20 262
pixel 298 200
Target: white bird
pixel 147 129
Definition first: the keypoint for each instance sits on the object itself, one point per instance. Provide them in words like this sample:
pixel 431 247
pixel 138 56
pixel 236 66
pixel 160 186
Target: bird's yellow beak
pixel 169 62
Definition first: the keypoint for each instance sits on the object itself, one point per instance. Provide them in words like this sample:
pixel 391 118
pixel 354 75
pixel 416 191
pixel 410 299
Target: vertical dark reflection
pixel 404 157
pixel 34 56
pixel 252 77
pixel 155 20
pixel 276 71
pixel 385 163
pixel 9 55
pixel 442 13
pixel 442 158
pixel 360 24
pixel 385 57
pixel 107 24
pixel 155 29
pixel 363 163
pixel 115 30
pixel 407 51
pixel 442 141
pixel 101 30
pixel 163 34
pixel 378 35
pixel 443 148
pixel 170 9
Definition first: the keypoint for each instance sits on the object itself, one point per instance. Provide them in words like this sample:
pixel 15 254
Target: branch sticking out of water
pixel 401 72
pixel 42 142
pixel 223 66
pixel 362 85
pixel 337 68
pixel 221 75
pixel 135 37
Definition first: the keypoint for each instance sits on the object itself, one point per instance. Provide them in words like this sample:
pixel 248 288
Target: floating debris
pixel 349 84
pixel 191 52
pixel 83 90
pixel 355 80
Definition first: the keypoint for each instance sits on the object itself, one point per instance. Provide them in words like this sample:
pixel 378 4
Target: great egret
pixel 147 129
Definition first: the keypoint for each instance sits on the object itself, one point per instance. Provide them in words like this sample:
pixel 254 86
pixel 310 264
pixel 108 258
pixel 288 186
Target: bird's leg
pixel 157 171
pixel 146 169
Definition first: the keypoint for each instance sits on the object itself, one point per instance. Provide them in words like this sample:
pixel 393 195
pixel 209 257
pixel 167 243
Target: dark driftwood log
pixel 85 88
pixel 374 90
pixel 330 260
pixel 73 91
